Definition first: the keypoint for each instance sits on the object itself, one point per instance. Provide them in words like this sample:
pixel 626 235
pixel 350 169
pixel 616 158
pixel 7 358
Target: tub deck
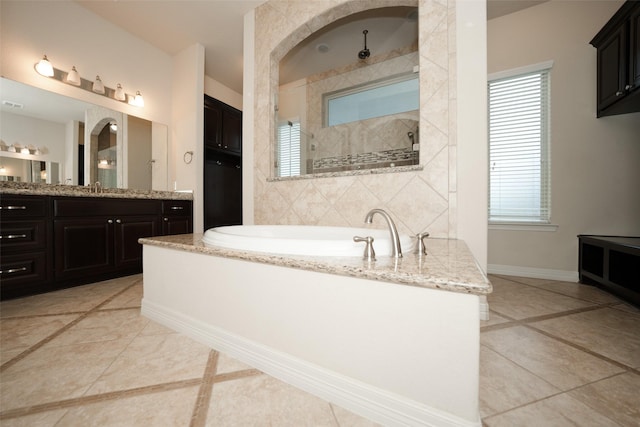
pixel 396 342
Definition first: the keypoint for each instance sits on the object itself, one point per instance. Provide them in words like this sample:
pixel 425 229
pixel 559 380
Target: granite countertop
pixel 26 188
pixel 449 264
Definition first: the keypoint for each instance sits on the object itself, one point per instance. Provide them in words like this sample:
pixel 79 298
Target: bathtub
pixel 303 240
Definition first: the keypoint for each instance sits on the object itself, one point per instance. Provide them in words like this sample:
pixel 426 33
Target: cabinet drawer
pixel 23 235
pixel 22 269
pixel 103 206
pixel 22 206
pixel 176 207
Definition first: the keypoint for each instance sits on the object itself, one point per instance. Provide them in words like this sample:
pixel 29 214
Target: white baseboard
pixel 371 402
pixel 535 273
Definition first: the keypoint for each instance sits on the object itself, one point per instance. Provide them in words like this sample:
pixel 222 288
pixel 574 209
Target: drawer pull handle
pixel 14 236
pixel 177 208
pixel 13 208
pixel 13 270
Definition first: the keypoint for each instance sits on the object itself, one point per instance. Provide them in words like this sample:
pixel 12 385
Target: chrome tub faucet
pixel 396 250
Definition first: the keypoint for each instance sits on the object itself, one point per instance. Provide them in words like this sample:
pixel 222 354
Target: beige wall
pixel 418 200
pixel 595 163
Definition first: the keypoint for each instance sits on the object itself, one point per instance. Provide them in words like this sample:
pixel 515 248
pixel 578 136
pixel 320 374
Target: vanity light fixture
pixel 44 67
pixel 113 127
pixel 73 77
pixel 138 100
pixel 120 95
pixel 25 150
pixel 97 86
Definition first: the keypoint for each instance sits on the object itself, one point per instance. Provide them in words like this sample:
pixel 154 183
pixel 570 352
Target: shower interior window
pixel 289 148
pixel 397 94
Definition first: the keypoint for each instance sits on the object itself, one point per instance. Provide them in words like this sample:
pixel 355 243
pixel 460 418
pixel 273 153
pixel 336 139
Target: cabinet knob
pixel 619 93
pixel 110 221
pixel 166 219
pixel 629 87
pixel 118 221
pixel 226 146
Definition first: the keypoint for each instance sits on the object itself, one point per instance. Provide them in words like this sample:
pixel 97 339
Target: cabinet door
pixel 176 225
pixel 128 252
pixel 223 192
pixel 612 68
pixel 232 130
pixel 212 126
pixel 634 51
pixel 83 247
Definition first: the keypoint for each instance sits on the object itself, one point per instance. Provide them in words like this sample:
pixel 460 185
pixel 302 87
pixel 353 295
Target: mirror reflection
pixel 74 142
pixel 340 109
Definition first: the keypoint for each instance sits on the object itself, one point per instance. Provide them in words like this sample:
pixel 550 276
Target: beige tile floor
pixel 552 354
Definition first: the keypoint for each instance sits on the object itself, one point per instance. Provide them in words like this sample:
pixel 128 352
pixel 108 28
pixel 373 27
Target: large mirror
pixel 349 96
pixel 67 141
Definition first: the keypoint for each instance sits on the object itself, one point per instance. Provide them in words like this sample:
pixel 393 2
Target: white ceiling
pixel 173 25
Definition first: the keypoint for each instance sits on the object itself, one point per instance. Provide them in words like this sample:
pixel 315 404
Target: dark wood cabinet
pixel 222 126
pixel 97 236
pixel 618 62
pixel 176 217
pixel 223 191
pixel 223 164
pixel 25 264
pixel 51 242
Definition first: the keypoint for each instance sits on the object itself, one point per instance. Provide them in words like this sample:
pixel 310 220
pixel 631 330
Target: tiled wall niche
pixel 417 200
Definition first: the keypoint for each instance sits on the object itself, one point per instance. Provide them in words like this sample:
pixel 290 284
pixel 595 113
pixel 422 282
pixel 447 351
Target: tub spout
pixel 396 250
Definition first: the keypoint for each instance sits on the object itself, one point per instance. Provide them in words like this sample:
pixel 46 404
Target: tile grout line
pixel 95 398
pixel 201 407
pixel 63 329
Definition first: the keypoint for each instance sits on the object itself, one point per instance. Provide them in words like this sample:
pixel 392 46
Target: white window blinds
pixel 289 149
pixel 519 189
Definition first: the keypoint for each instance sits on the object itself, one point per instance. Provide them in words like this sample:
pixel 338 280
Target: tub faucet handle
pixel 422 249
pixel 369 253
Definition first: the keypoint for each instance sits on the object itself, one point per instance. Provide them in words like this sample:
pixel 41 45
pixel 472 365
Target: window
pixel 394 95
pixel 519 184
pixel 289 149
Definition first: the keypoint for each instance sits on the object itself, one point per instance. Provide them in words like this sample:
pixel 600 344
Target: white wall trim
pixel 535 273
pixel 374 403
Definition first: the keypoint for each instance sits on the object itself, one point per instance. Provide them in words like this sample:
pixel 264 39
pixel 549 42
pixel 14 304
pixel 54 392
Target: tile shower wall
pixel 418 200
pixel 377 134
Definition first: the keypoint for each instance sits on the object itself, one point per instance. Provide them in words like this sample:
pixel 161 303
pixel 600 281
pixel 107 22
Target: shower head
pixel 364 53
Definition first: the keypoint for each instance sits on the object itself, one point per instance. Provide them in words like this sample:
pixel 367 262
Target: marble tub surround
pixel 24 188
pixel 448 266
pixel 330 325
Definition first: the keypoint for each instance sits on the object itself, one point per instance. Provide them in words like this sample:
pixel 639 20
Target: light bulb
pixel 73 77
pixel 98 87
pixel 44 67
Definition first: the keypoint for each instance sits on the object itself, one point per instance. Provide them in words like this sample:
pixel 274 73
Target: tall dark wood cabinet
pixel 223 164
pixel 618 62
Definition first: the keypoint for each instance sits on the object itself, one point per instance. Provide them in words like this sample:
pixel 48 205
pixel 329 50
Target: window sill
pixel 522 226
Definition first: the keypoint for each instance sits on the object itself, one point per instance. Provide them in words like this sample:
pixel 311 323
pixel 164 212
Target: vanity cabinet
pixel 25 233
pixel 222 126
pixel 95 237
pixel 52 242
pixel 618 62
pixel 176 217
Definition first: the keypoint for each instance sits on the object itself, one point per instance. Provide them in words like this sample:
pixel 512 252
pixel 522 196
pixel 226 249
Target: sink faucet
pixel 98 186
pixel 396 250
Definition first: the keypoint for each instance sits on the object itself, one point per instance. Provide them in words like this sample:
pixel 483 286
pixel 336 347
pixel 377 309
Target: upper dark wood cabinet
pixel 222 126
pixel 618 45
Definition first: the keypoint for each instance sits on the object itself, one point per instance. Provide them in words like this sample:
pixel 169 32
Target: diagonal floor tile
pixel 617 397
pixel 559 364
pixel 505 385
pixel 557 411
pixel 611 333
pixel 40 419
pixel 264 401
pixel 55 373
pixel 153 359
pixel 521 302
pixel 18 334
